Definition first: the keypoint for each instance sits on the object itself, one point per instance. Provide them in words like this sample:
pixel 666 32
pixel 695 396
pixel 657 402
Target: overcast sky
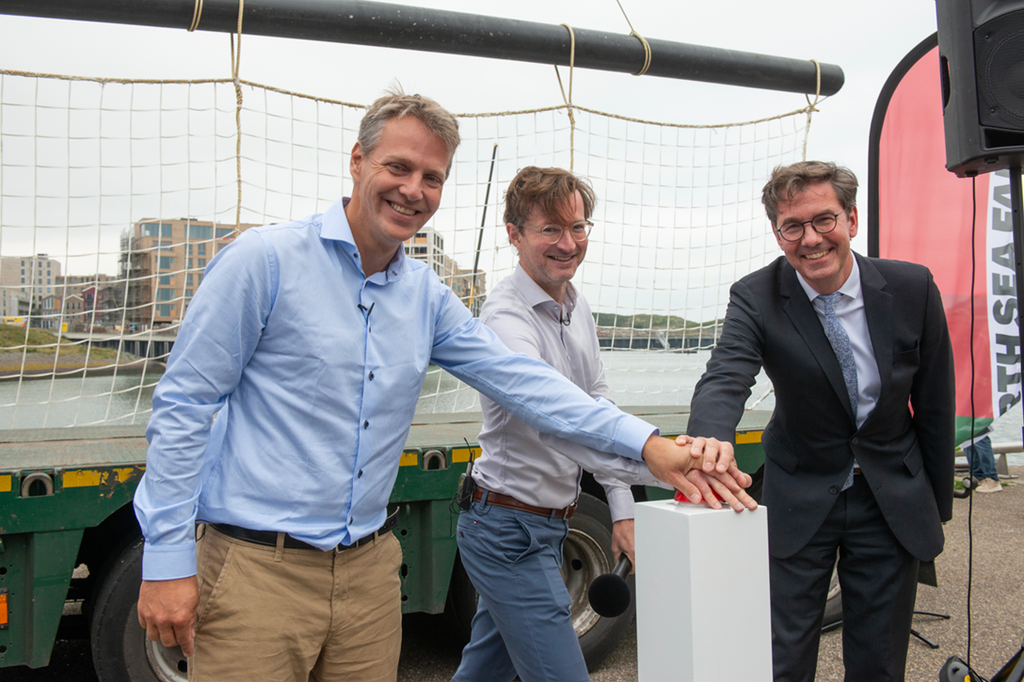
pixel 867 39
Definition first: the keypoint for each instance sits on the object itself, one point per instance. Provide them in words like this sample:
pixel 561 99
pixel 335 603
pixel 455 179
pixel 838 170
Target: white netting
pixel 114 195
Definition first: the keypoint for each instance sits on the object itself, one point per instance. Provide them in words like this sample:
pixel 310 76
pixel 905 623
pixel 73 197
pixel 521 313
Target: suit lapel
pixel 878 311
pixel 801 313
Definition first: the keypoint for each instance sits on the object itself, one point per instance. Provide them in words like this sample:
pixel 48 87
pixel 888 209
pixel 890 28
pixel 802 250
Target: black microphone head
pixel 609 595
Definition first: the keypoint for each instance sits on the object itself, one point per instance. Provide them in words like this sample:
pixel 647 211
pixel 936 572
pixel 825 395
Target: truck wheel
pixel 121 652
pixel 833 616
pixel 586 554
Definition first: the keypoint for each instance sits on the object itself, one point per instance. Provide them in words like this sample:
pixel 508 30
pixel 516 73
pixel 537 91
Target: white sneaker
pixel 989 485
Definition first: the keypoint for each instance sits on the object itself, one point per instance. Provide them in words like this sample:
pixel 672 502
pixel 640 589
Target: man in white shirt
pixel 527 483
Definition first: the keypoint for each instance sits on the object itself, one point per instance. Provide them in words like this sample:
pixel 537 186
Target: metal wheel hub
pixel 582 561
pixel 168 664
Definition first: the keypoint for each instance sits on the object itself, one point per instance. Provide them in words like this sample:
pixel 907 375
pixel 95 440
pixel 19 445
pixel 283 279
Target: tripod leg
pixel 944 616
pixel 924 639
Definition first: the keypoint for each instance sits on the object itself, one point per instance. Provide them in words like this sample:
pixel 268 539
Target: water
pixel 42 403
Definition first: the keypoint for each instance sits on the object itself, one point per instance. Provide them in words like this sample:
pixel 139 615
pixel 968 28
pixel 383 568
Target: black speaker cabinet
pixel 981 53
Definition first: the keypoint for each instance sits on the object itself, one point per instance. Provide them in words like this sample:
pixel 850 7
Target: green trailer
pixel 71 549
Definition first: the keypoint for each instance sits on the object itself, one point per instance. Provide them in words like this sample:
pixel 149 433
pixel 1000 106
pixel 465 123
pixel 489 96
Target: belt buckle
pixel 571 509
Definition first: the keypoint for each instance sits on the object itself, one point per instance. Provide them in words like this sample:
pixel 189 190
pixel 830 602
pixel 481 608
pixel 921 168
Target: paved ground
pixel 997 611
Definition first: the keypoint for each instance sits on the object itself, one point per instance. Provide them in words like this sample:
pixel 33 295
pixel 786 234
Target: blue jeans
pixel 522 624
pixel 982 459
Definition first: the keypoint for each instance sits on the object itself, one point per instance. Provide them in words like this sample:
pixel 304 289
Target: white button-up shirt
pixel 519 461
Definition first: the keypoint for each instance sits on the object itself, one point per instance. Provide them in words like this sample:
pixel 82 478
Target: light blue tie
pixel 843 349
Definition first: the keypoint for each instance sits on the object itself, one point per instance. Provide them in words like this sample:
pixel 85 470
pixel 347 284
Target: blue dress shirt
pixel 293 382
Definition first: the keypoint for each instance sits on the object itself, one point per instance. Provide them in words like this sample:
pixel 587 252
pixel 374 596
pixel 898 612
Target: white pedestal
pixel 702 604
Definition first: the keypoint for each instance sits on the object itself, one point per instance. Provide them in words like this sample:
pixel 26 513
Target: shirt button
pixel 366 425
pixel 834 490
pixel 371 376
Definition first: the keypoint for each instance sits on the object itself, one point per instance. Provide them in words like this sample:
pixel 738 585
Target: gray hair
pixel 396 104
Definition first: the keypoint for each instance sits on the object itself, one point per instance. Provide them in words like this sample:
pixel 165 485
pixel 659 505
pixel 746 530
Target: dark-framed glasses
pixel 822 224
pixel 551 234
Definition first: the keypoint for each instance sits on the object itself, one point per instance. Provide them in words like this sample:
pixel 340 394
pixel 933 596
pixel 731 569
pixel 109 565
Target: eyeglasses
pixel 552 234
pixel 822 224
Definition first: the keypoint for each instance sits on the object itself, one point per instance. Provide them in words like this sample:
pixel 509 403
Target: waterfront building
pixel 24 282
pixel 162 263
pixel 428 246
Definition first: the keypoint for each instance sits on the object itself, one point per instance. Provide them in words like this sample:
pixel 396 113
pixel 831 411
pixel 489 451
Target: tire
pixel 586 554
pixel 460 607
pixel 833 616
pixel 121 652
pixel 757 484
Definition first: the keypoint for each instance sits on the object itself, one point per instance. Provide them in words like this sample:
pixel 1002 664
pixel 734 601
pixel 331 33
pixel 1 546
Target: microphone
pixel 366 311
pixel 609 594
pixel 565 320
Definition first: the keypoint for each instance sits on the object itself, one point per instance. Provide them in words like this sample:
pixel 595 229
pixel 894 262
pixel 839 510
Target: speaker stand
pixel 929 643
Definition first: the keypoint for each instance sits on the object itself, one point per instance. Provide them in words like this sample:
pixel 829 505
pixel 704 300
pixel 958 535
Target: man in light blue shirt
pixel 286 404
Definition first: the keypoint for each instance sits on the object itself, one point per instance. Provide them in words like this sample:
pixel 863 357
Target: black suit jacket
pixel 905 447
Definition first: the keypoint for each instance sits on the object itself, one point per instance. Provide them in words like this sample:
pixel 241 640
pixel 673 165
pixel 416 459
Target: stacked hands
pixel 698 467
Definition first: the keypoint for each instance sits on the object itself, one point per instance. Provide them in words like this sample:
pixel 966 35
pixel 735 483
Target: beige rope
pixel 236 60
pixel 568 100
pixel 197 14
pixel 811 106
pixel 643 41
pixel 354 105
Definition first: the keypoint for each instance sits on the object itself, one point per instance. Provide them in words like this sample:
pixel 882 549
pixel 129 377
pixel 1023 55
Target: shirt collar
pixel 335 226
pixel 851 287
pixel 535 296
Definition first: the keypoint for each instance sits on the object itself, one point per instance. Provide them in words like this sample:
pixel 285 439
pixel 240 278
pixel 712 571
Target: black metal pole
pixel 483 221
pixel 1016 205
pixel 430 30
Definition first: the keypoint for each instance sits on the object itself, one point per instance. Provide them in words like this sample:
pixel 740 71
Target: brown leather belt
pixel 499 500
pixel 268 538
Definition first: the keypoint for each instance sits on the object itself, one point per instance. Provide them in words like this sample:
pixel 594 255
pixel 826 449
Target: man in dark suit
pixel 859 450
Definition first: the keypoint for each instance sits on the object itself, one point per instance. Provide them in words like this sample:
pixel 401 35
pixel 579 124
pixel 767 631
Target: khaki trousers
pixel 292 615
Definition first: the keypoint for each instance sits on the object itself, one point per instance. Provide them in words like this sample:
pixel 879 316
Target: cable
pixel 970 501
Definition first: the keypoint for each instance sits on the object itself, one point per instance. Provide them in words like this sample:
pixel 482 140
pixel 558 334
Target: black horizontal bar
pixel 417 28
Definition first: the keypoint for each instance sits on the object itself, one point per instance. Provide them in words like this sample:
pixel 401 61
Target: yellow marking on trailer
pixel 748 437
pixel 124 474
pixel 409 459
pixel 5 483
pixel 84 478
pixel 462 454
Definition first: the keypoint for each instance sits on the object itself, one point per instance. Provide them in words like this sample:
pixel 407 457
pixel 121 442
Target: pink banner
pixel 927 215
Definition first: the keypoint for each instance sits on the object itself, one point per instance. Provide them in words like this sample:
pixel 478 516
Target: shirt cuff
pixel 632 435
pixel 168 562
pixel 620 503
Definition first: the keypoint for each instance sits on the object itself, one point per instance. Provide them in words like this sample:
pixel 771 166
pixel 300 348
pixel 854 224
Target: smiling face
pixel 396 189
pixel 824 260
pixel 551 266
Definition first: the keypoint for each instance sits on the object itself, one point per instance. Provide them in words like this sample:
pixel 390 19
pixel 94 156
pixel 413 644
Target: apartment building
pixel 428 246
pixel 24 282
pixel 162 263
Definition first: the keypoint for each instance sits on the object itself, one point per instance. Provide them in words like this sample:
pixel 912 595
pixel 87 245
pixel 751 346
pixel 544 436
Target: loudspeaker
pixel 981 56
